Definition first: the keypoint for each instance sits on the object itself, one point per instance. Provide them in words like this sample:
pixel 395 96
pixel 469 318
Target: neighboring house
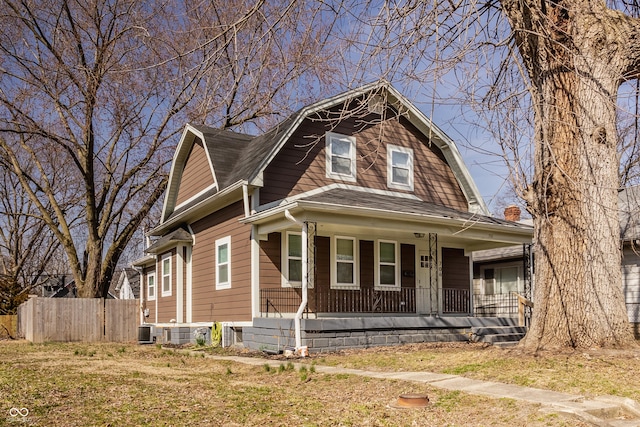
pixel 125 284
pixel 499 272
pixel 59 286
pixel 358 203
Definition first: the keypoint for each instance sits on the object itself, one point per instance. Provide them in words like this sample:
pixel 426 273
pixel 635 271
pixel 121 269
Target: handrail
pixel 522 303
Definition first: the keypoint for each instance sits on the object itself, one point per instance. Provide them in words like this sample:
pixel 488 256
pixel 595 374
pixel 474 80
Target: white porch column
pixel 180 284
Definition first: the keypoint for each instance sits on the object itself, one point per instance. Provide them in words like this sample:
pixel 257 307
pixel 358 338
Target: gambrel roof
pixel 238 160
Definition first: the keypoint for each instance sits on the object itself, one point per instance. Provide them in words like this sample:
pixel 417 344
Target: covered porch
pixel 362 253
pixel 409 300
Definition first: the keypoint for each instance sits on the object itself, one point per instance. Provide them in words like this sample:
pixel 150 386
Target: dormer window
pixel 341 156
pixel 399 167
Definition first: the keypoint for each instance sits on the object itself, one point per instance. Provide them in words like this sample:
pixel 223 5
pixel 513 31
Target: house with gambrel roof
pixel 349 224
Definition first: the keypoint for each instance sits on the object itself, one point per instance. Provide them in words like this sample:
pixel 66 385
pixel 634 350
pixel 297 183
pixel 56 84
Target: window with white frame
pixel 503 279
pixel 223 263
pixel 387 257
pixel 341 156
pixel 292 257
pixel 399 167
pixel 166 275
pixel 151 286
pixel 344 256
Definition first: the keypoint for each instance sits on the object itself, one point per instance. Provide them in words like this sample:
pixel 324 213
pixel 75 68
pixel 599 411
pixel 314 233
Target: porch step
pixel 501 336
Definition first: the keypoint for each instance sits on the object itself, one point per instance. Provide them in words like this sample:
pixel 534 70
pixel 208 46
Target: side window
pixel 399 167
pixel 292 257
pixel 166 275
pixel 344 255
pixel 341 156
pixel 387 254
pixel 223 263
pixel 151 286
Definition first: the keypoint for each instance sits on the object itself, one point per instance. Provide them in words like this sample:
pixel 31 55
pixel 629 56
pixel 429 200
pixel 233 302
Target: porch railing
pixel 287 300
pixel 495 305
pixel 456 301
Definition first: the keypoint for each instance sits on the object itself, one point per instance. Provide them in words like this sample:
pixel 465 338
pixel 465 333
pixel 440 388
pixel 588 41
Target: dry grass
pixel 114 385
pixel 592 373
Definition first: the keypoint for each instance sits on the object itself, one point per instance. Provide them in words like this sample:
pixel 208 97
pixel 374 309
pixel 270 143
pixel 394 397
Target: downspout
pixel 305 276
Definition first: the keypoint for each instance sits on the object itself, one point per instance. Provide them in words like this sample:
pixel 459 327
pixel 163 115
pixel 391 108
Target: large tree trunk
pixel 575 56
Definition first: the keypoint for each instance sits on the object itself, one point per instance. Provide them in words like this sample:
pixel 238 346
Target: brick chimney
pixel 512 213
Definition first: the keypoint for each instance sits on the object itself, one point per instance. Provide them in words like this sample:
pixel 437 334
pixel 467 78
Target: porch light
pixel 418 235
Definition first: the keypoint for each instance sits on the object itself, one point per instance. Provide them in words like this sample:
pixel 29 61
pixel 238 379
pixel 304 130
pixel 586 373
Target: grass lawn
pixel 129 385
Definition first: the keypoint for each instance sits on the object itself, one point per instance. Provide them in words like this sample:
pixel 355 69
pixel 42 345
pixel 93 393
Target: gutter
pixel 305 279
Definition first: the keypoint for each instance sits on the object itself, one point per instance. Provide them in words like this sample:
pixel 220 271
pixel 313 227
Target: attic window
pixel 400 168
pixel 341 156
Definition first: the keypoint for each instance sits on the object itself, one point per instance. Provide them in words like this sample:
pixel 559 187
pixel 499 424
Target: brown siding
pixel 196 175
pixel 367 267
pixel 455 269
pixel 407 266
pixel 150 305
pixel 300 165
pixel 271 262
pixel 323 264
pixel 232 304
pixel 166 305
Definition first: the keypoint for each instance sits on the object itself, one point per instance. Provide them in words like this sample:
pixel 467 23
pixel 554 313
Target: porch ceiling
pixel 382 215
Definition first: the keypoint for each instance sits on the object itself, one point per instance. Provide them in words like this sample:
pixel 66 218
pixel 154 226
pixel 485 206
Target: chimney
pixel 512 213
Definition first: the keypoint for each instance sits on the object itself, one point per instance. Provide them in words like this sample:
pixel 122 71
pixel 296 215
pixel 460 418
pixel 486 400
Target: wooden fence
pixel 8 326
pixel 78 319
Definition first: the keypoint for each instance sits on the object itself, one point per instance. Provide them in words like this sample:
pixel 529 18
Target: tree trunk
pixel 574 56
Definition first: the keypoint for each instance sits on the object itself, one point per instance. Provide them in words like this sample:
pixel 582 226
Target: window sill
pixel 387 288
pixel 345 287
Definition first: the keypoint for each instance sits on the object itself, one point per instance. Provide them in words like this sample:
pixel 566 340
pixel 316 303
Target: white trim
pixel 255 272
pixel 378 263
pixel 155 286
pixel 330 137
pixel 219 243
pixel 180 283
pixel 194 197
pixel 189 296
pixel 284 248
pixel 390 165
pixel 333 268
pixel 163 274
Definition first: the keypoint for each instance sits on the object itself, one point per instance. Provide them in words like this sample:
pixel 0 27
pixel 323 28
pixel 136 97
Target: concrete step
pixel 503 336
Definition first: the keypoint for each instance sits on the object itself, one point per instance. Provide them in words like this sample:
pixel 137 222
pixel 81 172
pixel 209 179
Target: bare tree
pixel 549 74
pixel 29 253
pixel 104 87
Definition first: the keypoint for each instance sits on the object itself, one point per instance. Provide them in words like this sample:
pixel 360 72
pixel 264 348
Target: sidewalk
pixel 605 411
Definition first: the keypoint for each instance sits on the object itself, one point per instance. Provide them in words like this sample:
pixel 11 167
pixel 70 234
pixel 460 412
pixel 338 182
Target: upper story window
pixel 341 156
pixel 151 286
pixel 223 263
pixel 166 275
pixel 399 167
pixel 344 255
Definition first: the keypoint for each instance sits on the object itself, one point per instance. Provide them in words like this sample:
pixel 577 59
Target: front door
pixel 426 287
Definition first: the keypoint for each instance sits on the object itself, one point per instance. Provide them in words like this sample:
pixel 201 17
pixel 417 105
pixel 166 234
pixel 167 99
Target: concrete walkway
pixel 606 411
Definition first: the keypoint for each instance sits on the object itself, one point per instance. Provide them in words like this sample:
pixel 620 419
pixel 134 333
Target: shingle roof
pixel 225 149
pixel 388 203
pixel 179 235
pixel 239 158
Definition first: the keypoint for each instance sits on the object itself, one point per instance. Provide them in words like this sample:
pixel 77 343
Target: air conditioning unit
pixel 144 334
